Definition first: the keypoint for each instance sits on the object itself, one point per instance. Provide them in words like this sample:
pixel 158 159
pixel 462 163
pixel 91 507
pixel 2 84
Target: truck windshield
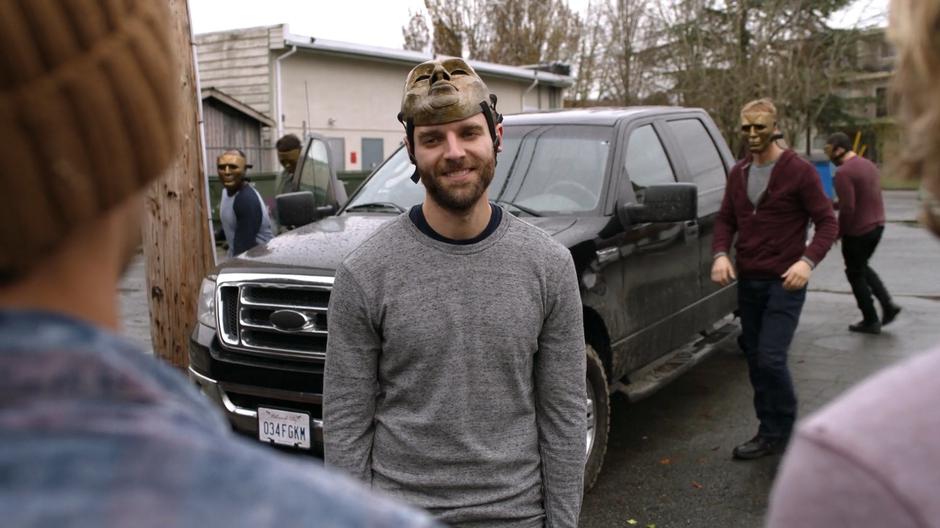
pixel 551 170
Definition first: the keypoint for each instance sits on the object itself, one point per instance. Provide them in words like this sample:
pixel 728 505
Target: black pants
pixel 857 250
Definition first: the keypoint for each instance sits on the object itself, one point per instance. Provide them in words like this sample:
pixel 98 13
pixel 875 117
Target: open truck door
pixel 316 191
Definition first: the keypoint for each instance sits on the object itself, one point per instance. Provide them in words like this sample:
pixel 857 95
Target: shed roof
pixel 226 99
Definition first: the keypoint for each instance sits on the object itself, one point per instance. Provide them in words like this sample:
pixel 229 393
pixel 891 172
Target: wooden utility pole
pixel 176 239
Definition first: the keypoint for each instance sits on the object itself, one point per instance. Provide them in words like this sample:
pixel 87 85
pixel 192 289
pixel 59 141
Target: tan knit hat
pixel 88 92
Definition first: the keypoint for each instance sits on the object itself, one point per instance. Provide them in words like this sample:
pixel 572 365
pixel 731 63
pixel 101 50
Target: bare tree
pixel 459 28
pixel 416 34
pixel 518 32
pixel 524 32
pixel 626 75
pixel 591 37
pixel 722 54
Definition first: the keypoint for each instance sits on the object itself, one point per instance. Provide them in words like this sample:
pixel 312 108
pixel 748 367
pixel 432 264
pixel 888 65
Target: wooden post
pixel 176 238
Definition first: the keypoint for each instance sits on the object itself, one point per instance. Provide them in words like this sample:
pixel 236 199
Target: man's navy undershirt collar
pixel 416 214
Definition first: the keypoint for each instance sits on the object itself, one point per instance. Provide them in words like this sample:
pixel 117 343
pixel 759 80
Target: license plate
pixel 284 427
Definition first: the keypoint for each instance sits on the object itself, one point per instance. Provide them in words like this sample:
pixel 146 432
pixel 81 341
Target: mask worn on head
pixel 758 129
pixel 444 91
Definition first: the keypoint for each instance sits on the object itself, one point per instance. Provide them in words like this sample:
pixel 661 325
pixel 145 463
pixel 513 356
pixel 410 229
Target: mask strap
pixel 410 134
pixel 493 118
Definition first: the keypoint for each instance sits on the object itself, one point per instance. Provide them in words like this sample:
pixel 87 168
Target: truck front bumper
pixel 245 420
pixel 239 385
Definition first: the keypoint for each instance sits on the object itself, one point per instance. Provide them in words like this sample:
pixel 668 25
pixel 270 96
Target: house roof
pixel 228 100
pixel 413 58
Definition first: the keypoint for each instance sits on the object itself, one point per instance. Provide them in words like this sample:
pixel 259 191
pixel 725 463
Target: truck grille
pixel 246 301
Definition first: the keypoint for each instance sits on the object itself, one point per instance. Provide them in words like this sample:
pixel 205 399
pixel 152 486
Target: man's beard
pixel 458 198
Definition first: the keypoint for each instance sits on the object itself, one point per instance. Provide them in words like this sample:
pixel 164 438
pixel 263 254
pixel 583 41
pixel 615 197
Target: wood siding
pixel 240 64
pixel 225 129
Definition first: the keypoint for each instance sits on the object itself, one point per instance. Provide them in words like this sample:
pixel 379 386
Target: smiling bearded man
pixel 454 375
pixel 441 186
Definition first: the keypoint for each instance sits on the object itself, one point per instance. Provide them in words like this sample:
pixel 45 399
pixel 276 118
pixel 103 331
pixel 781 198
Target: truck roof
pixel 591 116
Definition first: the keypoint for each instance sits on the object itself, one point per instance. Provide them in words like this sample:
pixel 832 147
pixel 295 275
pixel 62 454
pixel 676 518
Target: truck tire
pixel 598 414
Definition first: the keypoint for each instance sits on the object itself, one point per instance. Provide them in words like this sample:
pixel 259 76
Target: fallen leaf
pixel 665 461
pixel 650 526
pixel 631 521
pixel 696 485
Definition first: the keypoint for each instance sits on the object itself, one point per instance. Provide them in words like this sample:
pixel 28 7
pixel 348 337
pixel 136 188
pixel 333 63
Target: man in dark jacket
pixel 244 216
pixel 861 223
pixel 771 196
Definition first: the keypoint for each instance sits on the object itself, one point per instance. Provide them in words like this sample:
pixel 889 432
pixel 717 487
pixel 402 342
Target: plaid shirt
pixel 95 433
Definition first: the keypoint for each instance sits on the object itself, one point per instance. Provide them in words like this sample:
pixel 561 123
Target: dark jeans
pixel 769 316
pixel 857 250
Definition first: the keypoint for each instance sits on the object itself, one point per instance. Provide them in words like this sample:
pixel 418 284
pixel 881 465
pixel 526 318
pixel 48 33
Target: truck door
pixel 707 167
pixel 660 261
pixel 317 175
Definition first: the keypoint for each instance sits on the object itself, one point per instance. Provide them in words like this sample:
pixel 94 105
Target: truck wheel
pixel 598 417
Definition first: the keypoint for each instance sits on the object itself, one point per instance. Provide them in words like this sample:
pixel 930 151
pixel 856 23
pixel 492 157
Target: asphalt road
pixel 669 459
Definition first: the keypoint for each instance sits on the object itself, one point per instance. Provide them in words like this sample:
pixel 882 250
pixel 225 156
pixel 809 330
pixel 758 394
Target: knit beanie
pixel 88 92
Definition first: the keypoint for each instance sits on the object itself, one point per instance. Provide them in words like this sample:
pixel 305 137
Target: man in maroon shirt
pixel 861 223
pixel 771 196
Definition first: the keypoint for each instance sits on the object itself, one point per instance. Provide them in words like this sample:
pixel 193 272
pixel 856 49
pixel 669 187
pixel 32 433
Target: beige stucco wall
pixel 362 98
pixel 337 96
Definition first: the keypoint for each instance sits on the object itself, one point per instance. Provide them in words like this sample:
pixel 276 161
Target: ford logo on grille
pixel 289 320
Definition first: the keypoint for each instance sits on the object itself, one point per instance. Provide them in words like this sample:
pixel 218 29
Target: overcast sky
pixel 379 22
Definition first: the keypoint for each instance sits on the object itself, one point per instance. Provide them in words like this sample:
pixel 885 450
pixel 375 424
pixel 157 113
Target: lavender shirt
pixel 95 433
pixel 870 458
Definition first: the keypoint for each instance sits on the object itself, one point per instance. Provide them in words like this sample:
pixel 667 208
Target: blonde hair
pixel 914 31
pixel 760 105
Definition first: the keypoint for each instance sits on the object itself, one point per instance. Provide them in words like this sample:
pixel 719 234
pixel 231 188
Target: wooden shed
pixel 229 124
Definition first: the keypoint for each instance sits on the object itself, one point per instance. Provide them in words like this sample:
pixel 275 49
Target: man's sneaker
pixel 866 327
pixel 890 312
pixel 757 447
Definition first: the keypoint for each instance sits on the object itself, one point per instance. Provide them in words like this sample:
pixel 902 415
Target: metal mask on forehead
pixel 444 91
pixel 758 127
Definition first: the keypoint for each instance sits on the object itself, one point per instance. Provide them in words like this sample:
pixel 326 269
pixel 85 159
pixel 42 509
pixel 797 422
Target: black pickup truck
pixel 632 192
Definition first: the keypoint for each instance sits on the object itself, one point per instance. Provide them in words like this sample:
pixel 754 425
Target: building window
pixel 881 102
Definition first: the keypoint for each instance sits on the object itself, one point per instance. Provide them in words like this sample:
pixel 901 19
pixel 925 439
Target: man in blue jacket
pixel 242 211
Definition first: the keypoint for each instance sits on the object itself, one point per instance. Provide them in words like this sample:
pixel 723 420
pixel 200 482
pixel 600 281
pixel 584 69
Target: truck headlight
pixel 205 312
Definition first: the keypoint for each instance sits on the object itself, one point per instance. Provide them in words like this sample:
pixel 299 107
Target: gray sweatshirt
pixel 455 375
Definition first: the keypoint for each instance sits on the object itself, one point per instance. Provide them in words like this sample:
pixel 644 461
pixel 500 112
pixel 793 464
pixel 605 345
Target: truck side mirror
pixel 296 209
pixel 671 202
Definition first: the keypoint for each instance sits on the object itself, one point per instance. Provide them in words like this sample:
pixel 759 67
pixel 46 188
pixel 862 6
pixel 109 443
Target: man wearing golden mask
pixel 770 199
pixel 454 375
pixel 870 458
pixel 242 211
